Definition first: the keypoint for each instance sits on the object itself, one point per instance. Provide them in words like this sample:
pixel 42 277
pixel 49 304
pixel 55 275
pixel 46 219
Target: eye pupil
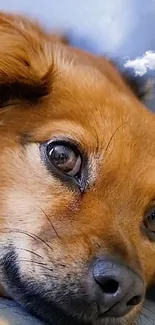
pixel 58 154
pixel 153 216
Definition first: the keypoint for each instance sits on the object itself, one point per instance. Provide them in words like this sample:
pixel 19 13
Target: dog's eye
pixel 150 220
pixel 66 161
pixel 149 223
pixel 65 158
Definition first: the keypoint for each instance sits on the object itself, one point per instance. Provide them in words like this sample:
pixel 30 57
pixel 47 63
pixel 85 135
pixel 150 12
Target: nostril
pixel 110 286
pixel 134 301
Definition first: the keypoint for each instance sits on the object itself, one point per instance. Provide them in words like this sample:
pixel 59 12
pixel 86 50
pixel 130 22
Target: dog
pixel 77 189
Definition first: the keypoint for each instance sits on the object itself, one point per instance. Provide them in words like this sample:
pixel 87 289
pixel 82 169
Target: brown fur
pixel 49 89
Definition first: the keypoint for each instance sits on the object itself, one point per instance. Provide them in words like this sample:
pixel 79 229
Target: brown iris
pixel 65 158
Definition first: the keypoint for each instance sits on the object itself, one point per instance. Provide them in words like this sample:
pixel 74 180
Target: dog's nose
pixel 121 289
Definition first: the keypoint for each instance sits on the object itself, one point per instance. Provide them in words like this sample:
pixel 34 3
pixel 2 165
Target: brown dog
pixel 77 189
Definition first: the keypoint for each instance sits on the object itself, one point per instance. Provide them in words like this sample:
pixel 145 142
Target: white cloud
pixel 142 64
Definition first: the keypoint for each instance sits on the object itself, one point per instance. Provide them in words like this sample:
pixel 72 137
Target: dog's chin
pixel 61 310
pixel 50 313
pixel 60 317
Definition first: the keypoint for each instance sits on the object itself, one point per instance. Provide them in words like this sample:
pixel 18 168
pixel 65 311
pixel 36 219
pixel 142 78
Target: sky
pixel 121 29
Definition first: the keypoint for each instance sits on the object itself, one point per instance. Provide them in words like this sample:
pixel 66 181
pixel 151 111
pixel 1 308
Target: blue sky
pixel 116 27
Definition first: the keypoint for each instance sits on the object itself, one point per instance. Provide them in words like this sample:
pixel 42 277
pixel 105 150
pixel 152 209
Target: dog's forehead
pixel 81 95
pixel 84 93
pixel 86 102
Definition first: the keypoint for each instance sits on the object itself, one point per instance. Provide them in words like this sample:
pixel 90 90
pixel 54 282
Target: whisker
pixel 149 319
pixel 111 138
pixel 150 311
pixel 49 221
pixel 31 235
pixel 43 265
pixel 29 251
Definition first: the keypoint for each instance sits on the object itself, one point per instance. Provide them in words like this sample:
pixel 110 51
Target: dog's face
pixel 77 189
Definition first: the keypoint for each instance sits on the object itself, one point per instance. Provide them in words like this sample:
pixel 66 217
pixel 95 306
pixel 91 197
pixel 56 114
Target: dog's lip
pixel 103 319
pixel 105 314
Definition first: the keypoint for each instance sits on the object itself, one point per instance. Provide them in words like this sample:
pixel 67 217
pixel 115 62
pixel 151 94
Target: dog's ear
pixel 25 59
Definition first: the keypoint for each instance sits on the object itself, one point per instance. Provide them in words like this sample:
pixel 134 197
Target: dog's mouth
pixel 50 308
pixel 105 319
pixel 50 313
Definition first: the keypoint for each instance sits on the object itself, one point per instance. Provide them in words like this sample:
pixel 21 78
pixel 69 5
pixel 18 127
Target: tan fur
pixel 82 97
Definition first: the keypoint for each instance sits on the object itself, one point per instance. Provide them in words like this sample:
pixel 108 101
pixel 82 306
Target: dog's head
pixel 77 189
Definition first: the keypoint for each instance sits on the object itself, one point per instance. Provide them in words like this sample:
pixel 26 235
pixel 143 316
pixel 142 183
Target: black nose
pixel 120 288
